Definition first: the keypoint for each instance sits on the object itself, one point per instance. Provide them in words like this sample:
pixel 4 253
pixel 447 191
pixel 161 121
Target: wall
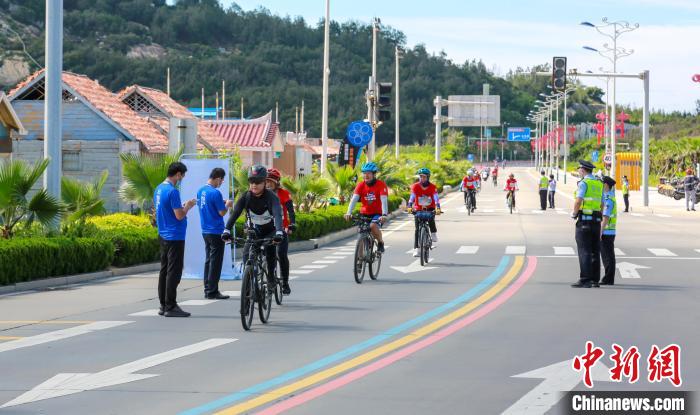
pixel 79 121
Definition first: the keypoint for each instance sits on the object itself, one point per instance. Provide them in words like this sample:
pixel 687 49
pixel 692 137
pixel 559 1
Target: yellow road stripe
pixel 375 353
pixel 45 321
pixel 9 337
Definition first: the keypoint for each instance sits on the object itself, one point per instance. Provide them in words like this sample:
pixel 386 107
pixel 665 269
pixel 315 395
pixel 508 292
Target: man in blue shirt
pixel 609 229
pixel 588 215
pixel 171 218
pixel 212 209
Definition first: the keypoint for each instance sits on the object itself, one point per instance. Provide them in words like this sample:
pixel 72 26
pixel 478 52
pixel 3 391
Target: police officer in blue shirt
pixel 608 231
pixel 212 209
pixel 171 218
pixel 588 215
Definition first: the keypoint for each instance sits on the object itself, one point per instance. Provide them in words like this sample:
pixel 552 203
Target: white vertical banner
pixel 198 171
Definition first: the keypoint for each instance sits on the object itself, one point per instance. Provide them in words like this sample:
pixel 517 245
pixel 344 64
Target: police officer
pixel 544 185
pixel 608 225
pixel 626 192
pixel 587 212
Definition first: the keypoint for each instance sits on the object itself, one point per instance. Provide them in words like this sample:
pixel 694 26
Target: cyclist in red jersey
pixel 373 194
pixel 511 186
pixel 288 220
pixel 468 186
pixel 424 197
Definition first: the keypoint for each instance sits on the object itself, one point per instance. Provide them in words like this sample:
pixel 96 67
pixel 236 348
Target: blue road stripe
pixel 327 361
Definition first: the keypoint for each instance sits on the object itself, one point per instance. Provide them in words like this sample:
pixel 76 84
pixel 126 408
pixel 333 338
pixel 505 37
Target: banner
pixel 198 171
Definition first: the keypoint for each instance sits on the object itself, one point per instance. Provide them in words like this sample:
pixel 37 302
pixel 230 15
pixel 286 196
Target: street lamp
pixel 612 54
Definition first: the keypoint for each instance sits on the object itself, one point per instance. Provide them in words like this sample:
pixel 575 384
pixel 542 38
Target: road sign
pixel 594 156
pixel 359 133
pixel 474 110
pixel 470 157
pixel 519 134
pixel 608 158
pixel 487 132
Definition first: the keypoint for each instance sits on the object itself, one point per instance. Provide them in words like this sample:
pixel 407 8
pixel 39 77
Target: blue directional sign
pixel 487 132
pixel 595 155
pixel 359 133
pixel 519 134
pixel 470 157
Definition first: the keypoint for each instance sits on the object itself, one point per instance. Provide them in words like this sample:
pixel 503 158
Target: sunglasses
pixel 256 181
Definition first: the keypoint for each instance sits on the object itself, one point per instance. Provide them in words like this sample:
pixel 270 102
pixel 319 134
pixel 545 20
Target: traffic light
pixel 559 73
pixel 383 101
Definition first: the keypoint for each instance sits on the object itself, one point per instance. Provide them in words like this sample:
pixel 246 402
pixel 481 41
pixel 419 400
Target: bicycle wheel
pixel 359 264
pixel 426 243
pixel 247 298
pixel 279 297
pixel 264 297
pixel 375 262
pixel 510 203
pixel 469 205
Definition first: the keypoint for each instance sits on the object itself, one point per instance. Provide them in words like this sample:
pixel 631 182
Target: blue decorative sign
pixel 470 157
pixel 594 156
pixel 487 132
pixel 519 134
pixel 359 133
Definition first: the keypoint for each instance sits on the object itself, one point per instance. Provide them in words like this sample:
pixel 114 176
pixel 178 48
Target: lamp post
pixel 398 56
pixel 326 73
pixel 612 54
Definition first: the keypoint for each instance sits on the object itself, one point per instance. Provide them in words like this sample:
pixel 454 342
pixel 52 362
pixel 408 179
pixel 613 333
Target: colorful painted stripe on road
pixel 405 352
pixel 343 354
pixel 380 351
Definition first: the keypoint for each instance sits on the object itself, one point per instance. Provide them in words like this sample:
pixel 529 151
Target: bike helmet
pixel 424 170
pixel 511 175
pixel 257 172
pixel 370 167
pixel 470 173
pixel 274 174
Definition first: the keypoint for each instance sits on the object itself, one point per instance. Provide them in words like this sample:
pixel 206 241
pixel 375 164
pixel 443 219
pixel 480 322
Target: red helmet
pixel 689 171
pixel 274 174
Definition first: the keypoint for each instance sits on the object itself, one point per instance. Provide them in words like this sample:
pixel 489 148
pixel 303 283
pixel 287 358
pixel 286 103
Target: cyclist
pixel 373 194
pixel 263 215
pixel 485 174
pixel 288 222
pixel 424 197
pixel 511 187
pixel 468 186
pixel 494 175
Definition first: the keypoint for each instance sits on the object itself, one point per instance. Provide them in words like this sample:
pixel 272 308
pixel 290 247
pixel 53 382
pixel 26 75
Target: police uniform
pixel 544 185
pixel 607 242
pixel 626 193
pixel 588 222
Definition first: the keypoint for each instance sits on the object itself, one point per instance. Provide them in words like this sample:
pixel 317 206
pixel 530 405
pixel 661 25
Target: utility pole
pixel 438 126
pixel 242 116
pixel 216 110
pixel 52 101
pixel 296 118
pixel 373 83
pixel 396 82
pixel 223 100
pixel 326 73
pixel 301 123
pixel 167 80
pixel 202 113
pixel 277 112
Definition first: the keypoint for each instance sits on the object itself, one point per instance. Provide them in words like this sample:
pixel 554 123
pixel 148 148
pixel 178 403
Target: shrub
pixel 29 259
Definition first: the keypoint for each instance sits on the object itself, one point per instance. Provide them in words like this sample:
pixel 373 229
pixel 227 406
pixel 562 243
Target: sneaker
pixel 176 312
pixel 217 296
pixel 582 285
pixel 161 310
pixel 415 252
pixel 380 247
pixel 286 289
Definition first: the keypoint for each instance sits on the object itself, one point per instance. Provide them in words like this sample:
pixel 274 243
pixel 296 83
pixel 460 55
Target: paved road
pixel 495 302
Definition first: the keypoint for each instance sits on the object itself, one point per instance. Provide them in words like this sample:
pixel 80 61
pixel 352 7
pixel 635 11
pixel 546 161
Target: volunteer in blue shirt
pixel 212 209
pixel 171 218
pixel 609 230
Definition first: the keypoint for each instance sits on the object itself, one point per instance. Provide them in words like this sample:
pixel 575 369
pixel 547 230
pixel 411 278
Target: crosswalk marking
pixel 146 313
pixel 59 335
pixel 301 271
pixel 698 251
pixel 638 214
pixel 661 252
pixel 467 249
pixel 323 261
pixel 489 210
pixel 619 252
pixel 538 212
pixel 335 257
pixel 198 302
pixel 564 250
pixel 662 215
pixel 313 266
pixel 562 212
pixel 515 250
pixel 232 293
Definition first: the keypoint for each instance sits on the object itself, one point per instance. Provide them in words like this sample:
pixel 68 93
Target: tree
pixel 16 181
pixel 343 179
pixel 142 174
pixel 83 199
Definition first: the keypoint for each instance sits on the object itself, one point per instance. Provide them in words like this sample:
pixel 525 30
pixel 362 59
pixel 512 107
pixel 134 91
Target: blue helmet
pixel 424 170
pixel 370 167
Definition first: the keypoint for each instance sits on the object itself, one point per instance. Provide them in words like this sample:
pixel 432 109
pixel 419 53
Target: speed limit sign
pixel 608 158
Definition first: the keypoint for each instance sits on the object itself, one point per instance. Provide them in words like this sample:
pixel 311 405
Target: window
pixel 71 161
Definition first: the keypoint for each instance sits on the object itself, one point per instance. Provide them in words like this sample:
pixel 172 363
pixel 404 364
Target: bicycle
pixel 495 181
pixel 254 286
pixel 366 253
pixel 510 198
pixel 471 195
pixel 425 241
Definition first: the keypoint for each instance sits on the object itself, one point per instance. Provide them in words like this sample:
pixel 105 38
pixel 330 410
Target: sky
pixel 507 34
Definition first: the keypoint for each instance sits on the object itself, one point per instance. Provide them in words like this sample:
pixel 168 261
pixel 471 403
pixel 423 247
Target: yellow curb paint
pixel 382 350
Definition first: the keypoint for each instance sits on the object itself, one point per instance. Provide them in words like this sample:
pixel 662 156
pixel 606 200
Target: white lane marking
pixel 637 214
pixel 562 212
pixel 232 293
pixel 489 210
pixel 314 266
pixel 515 250
pixel 323 261
pixel 301 271
pixel 397 228
pixel 698 251
pixel 538 212
pixel 410 251
pixel 661 252
pixel 629 270
pixel 467 249
pixel 70 383
pixel 198 302
pixel 414 266
pixel 619 252
pixel 59 335
pixel 335 257
pixel 662 215
pixel 293 277
pixel 564 250
pixel 146 313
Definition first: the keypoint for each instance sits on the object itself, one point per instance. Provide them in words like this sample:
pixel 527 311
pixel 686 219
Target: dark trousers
pixel 627 202
pixel 543 199
pixel 472 194
pixel 551 199
pixel 588 244
pixel 431 225
pixel 214 249
pixel 607 253
pixel 172 255
pixel 283 258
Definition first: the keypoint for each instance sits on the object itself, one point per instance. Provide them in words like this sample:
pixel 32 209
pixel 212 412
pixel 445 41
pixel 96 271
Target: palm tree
pixel 142 174
pixel 307 192
pixel 390 172
pixel 343 179
pixel 83 199
pixel 16 180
